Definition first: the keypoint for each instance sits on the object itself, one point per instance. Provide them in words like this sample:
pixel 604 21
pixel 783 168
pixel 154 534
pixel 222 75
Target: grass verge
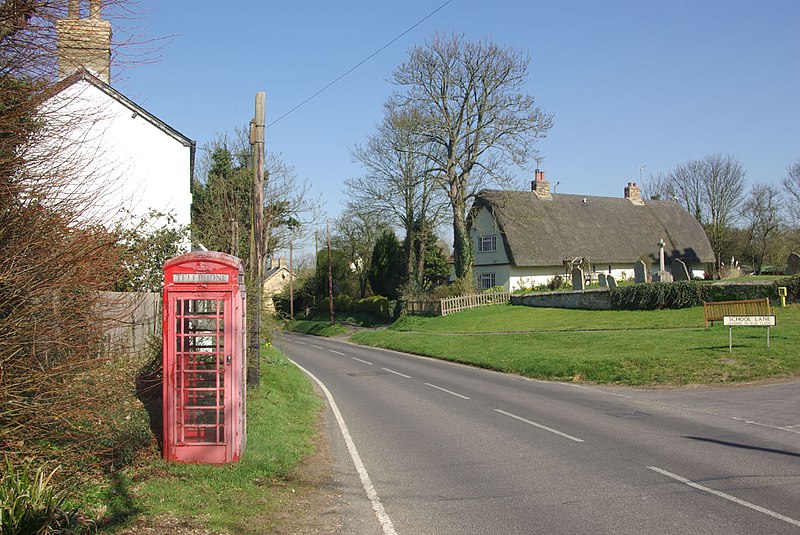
pixel 315 327
pixel 621 347
pixel 238 498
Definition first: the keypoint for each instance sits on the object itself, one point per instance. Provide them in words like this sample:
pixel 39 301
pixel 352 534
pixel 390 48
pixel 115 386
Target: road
pixel 450 449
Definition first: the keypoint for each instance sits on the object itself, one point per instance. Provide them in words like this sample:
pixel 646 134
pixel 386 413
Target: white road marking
pixel 366 482
pixel 299 342
pixel 360 360
pixel 397 373
pixel 540 426
pixel 318 347
pixel 734 499
pixel 446 390
pixel 334 351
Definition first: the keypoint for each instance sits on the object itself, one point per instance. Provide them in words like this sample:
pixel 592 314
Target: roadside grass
pixel 237 498
pixel 618 347
pixel 320 325
pixel 315 327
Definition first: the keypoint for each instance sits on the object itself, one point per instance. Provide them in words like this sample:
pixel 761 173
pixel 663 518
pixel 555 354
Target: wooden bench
pixel 715 311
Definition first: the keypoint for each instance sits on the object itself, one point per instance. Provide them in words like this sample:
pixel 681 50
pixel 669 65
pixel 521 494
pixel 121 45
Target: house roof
pixel 545 232
pixel 273 271
pixel 84 75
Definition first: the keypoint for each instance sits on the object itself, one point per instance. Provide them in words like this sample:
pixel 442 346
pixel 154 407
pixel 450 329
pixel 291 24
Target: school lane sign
pixel 747 321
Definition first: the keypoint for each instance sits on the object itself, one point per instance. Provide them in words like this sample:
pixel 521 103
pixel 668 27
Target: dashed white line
pixel 446 390
pixel 366 482
pixel 318 347
pixel 361 360
pixel 302 343
pixel 734 499
pixel 334 351
pixel 397 373
pixel 540 426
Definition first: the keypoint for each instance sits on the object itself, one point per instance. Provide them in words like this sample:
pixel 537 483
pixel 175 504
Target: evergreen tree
pixel 388 265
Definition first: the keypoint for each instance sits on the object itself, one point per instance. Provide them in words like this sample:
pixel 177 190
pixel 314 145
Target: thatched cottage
pixel 523 239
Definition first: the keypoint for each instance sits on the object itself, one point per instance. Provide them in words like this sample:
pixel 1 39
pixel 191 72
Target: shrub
pixel 30 504
pixel 658 295
pixel 376 305
pixel 556 283
pixel 342 303
pixel 495 289
pixel 792 285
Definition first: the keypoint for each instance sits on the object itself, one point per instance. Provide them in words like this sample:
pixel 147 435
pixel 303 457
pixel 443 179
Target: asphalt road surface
pixel 431 447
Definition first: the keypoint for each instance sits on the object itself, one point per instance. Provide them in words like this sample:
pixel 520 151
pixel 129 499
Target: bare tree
pixel 398 183
pixel 710 188
pixel 762 214
pixel 791 184
pixel 54 260
pixel 355 234
pixel 221 211
pixel 473 118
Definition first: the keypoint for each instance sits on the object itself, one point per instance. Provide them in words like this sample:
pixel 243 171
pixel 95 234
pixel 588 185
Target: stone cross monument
pixel 663 275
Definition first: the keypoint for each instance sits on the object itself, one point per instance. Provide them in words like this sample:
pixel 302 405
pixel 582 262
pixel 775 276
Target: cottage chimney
pixel 633 193
pixel 540 186
pixel 84 42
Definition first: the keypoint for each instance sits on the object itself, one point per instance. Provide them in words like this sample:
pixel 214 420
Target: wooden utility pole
pixel 330 273
pixel 256 242
pixel 291 284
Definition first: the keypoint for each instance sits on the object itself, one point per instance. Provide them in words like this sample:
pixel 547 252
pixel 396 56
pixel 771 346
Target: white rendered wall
pixel 124 162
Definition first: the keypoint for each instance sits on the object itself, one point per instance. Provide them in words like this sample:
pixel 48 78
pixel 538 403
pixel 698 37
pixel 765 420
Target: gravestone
pixel 793 264
pixel 601 279
pixel 640 272
pixel 662 276
pixel 612 282
pixel 577 278
pixel 679 270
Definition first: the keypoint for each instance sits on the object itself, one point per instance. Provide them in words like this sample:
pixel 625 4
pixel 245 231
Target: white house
pixel 128 160
pixel 523 239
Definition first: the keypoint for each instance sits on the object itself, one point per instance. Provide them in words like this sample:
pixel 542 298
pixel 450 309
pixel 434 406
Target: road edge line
pixel 366 482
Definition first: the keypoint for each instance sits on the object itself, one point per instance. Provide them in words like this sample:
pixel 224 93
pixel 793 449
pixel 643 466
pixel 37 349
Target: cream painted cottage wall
pixel 127 160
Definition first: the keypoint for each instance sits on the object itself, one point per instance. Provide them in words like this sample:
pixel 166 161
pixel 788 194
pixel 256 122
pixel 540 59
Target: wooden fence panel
pixel 464 302
pixel 131 321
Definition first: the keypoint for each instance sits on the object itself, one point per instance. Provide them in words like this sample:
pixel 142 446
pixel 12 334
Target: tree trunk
pixel 462 245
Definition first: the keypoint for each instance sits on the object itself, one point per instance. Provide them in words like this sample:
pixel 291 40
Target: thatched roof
pixel 545 232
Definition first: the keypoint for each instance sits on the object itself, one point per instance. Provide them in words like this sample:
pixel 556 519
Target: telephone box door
pixel 199 380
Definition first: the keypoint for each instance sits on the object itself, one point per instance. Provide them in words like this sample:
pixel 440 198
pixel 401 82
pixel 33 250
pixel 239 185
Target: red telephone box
pixel 204 358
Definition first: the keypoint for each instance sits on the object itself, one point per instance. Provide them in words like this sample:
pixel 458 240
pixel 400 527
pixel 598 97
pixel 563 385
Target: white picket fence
pixel 464 302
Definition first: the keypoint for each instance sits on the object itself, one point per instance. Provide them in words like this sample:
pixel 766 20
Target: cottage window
pixel 486 281
pixel 487 244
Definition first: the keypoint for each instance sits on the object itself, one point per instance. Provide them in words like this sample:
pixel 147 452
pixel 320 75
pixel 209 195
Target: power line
pixel 359 64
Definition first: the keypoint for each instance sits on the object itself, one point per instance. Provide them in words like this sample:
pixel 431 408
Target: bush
pixel 658 295
pixel 376 305
pixel 792 285
pixel 29 503
pixel 342 303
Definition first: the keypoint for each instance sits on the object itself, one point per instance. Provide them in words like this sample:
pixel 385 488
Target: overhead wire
pixel 359 64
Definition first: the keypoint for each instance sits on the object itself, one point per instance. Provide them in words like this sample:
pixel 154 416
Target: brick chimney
pixel 633 193
pixel 540 186
pixel 84 42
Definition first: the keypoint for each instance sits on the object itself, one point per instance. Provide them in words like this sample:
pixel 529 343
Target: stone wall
pixel 595 299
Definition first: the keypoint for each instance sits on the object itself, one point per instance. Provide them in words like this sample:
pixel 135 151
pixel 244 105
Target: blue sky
pixel 630 82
